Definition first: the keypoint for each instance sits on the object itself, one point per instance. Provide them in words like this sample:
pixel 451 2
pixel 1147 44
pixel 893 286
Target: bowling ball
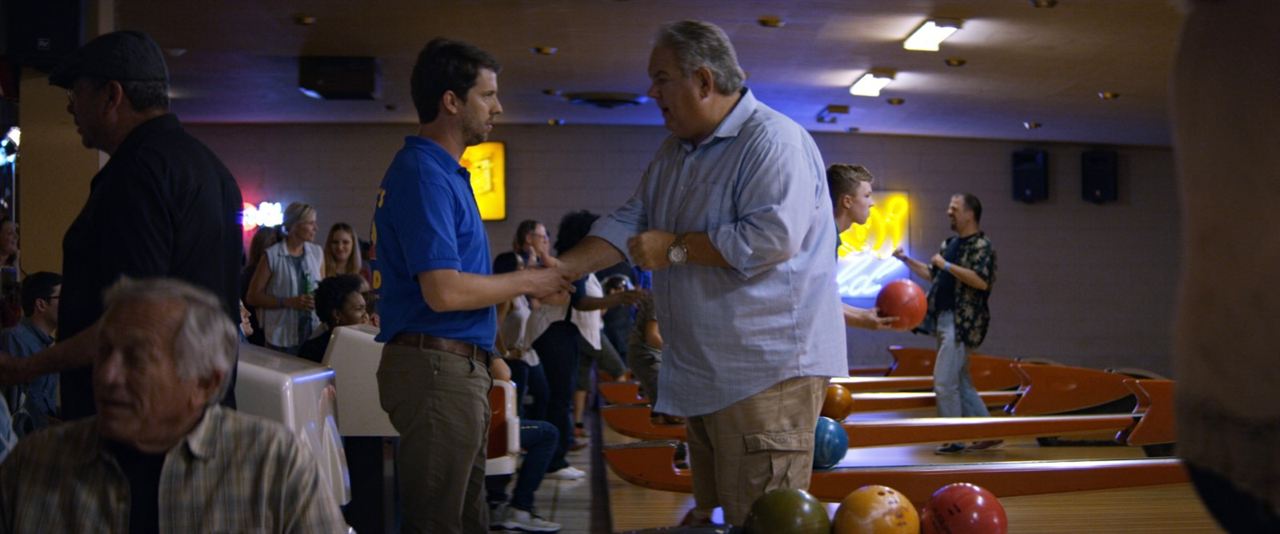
pixel 838 402
pixel 787 511
pixel 876 510
pixel 830 443
pixel 963 508
pixel 905 300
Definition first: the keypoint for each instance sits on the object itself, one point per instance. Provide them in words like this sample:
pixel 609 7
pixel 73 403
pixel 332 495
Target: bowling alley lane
pixel 1167 508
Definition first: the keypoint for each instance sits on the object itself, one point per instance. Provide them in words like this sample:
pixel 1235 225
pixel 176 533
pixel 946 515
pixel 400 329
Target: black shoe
pixel 949 448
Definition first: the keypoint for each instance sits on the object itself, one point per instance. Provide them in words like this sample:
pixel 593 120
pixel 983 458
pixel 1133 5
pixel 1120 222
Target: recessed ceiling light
pixel 1108 95
pixel 1031 125
pixel 555 122
pixel 771 21
pixel 1044 3
pixel 303 19
pixel 545 50
pixel 895 101
pixel 175 52
pixel 955 61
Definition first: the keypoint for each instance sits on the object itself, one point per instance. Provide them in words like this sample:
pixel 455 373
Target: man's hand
pixel 544 283
pixel 649 249
pixel 498 369
pixel 938 261
pixel 900 254
pixel 868 319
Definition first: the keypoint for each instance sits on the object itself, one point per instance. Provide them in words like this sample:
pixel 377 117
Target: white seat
pixel 300 395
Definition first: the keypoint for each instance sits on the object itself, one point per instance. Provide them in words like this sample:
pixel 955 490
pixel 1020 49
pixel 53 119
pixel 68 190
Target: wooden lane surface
pixel 1153 509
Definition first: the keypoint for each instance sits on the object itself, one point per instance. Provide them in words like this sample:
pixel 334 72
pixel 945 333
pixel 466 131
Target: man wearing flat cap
pixel 163 206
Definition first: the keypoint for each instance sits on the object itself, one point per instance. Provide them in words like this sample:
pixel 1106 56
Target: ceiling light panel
pixel 930 34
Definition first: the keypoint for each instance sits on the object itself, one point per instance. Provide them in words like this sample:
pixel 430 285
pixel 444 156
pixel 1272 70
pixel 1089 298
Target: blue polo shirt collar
pixel 438 154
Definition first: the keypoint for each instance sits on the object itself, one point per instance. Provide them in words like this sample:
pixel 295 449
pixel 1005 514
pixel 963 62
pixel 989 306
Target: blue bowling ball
pixel 830 443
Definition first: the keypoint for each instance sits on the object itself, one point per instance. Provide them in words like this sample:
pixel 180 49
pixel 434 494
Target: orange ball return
pixel 650 464
pixel 912 370
pixel 1046 389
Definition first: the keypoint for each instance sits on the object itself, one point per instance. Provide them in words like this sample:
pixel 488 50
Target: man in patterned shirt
pixel 962 273
pixel 161 455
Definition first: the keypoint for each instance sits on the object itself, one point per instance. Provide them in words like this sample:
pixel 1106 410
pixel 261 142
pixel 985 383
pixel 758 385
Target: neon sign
pixel 865 257
pixel 487 163
pixel 264 214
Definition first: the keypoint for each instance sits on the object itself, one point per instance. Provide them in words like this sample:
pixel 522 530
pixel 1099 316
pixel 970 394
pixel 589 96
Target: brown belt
pixel 451 346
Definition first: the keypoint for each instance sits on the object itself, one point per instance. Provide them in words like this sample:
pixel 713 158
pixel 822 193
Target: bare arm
pixel 258 297
pixel 965 275
pixel 449 290
pixel 917 267
pixel 591 255
pixel 649 249
pixel 76 352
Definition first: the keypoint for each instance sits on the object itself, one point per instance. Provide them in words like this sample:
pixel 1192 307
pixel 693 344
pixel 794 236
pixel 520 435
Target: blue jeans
pixel 531 380
pixel 956 396
pixel 539 440
pixel 558 350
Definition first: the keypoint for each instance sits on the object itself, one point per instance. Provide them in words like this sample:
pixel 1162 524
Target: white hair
pixel 206 339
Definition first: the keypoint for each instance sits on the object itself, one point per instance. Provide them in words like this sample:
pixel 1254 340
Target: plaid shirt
pixel 232 473
pixel 972 314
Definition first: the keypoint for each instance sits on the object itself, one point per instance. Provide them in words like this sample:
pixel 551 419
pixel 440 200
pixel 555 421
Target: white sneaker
pixel 567 473
pixel 523 521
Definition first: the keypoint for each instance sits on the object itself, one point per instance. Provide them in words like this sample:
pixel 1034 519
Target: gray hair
pixel 206 340
pixel 703 44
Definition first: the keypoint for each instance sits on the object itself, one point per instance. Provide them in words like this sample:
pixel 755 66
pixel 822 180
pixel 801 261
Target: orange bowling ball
pixel 876 510
pixel 963 508
pixel 905 300
pixel 838 403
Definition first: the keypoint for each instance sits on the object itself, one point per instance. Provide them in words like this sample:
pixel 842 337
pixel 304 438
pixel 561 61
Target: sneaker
pixel 580 432
pixel 984 445
pixel 497 515
pixel 578 445
pixel 567 473
pixel 525 521
pixel 949 448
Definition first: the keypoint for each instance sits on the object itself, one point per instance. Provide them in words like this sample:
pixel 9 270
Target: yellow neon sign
pixel 865 254
pixel 487 163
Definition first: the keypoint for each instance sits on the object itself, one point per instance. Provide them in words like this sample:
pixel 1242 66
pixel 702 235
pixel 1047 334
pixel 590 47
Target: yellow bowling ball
pixel 876 510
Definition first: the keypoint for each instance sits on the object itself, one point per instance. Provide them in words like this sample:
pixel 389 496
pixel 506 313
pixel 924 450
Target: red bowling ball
pixel 905 300
pixel 963 508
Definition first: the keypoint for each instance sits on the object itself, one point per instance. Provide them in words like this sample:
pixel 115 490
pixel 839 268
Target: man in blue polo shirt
pixel 438 293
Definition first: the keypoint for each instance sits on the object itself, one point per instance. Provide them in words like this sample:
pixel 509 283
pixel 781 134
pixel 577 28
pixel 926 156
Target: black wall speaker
pixel 1030 175
pixel 339 78
pixel 39 33
pixel 1099 174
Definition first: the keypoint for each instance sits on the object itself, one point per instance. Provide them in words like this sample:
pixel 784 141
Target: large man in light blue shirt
pixel 734 218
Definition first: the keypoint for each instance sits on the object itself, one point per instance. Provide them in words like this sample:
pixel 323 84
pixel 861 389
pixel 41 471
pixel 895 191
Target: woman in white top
pixel 282 285
pixel 523 319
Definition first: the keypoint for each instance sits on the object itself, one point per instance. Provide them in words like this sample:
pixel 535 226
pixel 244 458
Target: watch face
pixel 677 254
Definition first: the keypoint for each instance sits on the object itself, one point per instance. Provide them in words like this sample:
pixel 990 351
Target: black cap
pixel 121 56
